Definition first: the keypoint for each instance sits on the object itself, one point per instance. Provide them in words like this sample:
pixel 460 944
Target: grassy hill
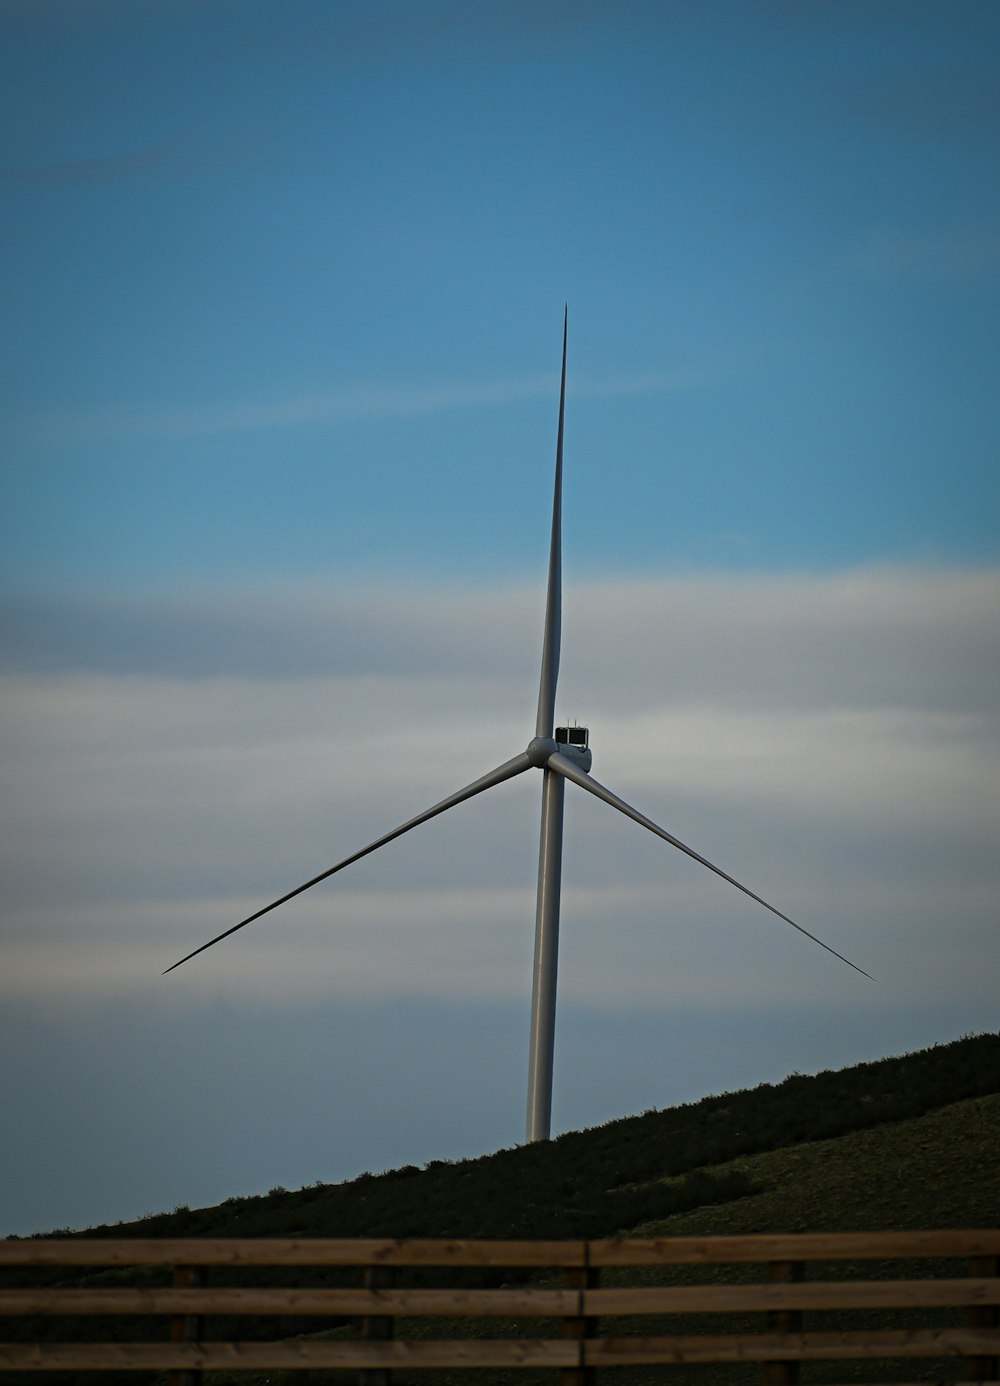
pixel 904 1142
pixel 640 1169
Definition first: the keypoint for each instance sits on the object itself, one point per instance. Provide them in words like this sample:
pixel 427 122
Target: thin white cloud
pixel 962 252
pixel 834 742
pixel 103 168
pixel 906 636
pixel 336 404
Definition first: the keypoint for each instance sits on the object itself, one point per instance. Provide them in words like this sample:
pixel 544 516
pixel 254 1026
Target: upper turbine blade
pixel 565 766
pixel 497 776
pixel 545 721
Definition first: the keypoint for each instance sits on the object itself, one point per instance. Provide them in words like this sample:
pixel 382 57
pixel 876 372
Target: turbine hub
pixel 571 742
pixel 539 750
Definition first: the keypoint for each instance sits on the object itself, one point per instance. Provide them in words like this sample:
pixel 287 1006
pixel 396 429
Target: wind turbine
pixel 561 753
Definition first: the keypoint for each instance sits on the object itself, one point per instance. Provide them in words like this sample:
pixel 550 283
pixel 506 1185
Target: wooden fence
pixel 950 1294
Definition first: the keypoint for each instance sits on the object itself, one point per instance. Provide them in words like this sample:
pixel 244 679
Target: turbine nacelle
pixel 571 742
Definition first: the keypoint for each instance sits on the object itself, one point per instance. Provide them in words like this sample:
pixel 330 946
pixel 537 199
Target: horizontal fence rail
pixel 948 1299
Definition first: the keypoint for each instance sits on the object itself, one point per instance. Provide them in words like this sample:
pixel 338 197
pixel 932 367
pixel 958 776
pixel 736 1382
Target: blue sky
pixel 279 344
pixel 276 264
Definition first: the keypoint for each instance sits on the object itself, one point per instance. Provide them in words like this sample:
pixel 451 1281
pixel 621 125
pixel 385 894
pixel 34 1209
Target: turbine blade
pixel 545 721
pixel 503 772
pixel 564 766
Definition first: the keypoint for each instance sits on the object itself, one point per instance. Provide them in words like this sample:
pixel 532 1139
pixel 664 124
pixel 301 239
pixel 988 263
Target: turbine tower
pixel 561 753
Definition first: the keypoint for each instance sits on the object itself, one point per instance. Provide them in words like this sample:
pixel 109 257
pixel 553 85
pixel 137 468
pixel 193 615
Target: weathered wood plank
pixel 780 1320
pixel 355 1303
pixel 287 1251
pixel 288 1355
pixel 859 1294
pixel 578 1326
pixel 525 1352
pixel 425 1252
pixel 187 1328
pixel 983 1316
pixel 802 1347
pixel 377 1328
pixel 538 1302
pixel 794 1246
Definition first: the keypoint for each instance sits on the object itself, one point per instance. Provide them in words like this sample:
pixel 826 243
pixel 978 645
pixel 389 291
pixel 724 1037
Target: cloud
pixel 106 168
pixel 355 400
pixel 831 741
pixel 908 637
pixel 962 251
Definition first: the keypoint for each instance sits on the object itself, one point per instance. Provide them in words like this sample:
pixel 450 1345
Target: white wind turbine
pixel 561 753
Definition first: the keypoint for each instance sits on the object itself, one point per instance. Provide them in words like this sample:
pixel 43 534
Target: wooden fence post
pixel 579 1327
pixel 186 1328
pixel 779 1373
pixel 377 1328
pixel 983 1316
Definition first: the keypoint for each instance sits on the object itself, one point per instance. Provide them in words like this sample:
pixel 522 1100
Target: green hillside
pixel 615 1177
pixel 904 1142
